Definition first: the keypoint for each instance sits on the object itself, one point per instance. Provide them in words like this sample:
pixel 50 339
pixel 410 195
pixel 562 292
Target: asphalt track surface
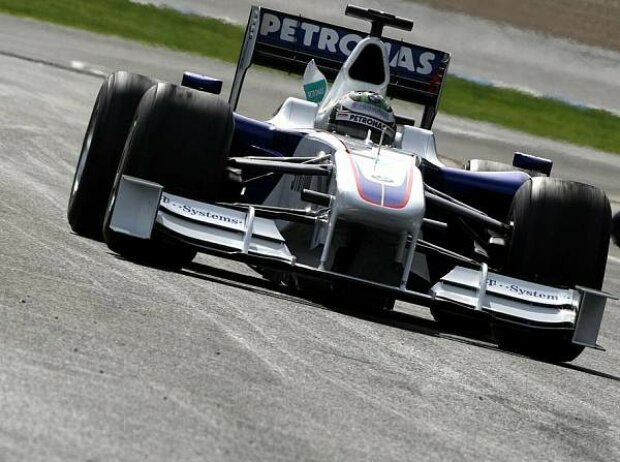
pixel 480 48
pixel 102 359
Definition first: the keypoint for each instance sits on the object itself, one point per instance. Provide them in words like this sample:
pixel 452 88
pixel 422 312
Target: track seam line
pixel 64 67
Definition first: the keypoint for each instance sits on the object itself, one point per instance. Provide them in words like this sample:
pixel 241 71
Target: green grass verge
pixel 538 116
pixel 213 38
pixel 145 23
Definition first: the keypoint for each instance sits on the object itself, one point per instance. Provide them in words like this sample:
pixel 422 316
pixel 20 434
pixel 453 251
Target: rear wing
pixel 287 42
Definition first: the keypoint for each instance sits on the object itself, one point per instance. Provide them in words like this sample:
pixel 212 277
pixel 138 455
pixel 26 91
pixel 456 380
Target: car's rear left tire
pixel 181 140
pixel 560 238
pixel 102 148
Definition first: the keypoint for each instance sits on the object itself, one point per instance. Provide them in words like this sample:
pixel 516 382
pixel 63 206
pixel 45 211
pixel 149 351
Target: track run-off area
pixel 102 359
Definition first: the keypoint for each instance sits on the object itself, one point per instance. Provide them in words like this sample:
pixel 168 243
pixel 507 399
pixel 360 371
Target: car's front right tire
pixel 560 238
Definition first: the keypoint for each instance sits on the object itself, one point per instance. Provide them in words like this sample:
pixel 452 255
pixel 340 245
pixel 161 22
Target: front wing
pixel 142 207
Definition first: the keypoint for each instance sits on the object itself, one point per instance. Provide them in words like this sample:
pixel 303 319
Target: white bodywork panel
pixel 509 296
pixel 580 308
pixel 295 113
pixel 140 204
pixel 215 215
pixel 344 83
pixel 135 207
pixel 371 186
pixel 378 188
pixel 420 142
pixel 222 226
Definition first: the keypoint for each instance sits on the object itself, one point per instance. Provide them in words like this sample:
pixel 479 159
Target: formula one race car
pixel 342 196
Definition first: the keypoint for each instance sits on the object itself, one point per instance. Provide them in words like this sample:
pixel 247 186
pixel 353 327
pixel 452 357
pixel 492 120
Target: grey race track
pixel 102 360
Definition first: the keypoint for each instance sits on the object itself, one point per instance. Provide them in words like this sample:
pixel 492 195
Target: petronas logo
pixel 315 91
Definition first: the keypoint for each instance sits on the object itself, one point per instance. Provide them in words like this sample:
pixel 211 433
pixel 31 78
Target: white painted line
pixel 78 65
pixel 82 66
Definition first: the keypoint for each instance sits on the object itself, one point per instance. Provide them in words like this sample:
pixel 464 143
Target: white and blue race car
pixel 341 197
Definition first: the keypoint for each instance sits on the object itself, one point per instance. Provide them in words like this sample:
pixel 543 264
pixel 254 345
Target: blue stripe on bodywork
pixel 499 182
pixel 372 191
pixel 395 196
pixel 250 132
pixel 491 192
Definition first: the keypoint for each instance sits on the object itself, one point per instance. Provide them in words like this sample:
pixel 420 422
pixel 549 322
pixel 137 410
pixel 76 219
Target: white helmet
pixel 357 112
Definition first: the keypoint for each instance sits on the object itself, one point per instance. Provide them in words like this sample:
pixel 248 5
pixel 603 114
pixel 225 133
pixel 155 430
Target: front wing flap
pixel 143 206
pixel 523 302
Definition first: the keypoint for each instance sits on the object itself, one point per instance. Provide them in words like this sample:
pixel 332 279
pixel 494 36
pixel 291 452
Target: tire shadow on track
pixel 395 319
pixel 254 284
pixel 481 338
pixel 589 371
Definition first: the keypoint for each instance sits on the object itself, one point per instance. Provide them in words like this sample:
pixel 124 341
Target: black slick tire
pixel 615 228
pixel 181 140
pixel 561 233
pixel 102 148
pixel 560 238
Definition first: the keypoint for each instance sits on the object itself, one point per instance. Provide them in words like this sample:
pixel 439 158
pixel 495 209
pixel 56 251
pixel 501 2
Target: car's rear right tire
pixel 181 140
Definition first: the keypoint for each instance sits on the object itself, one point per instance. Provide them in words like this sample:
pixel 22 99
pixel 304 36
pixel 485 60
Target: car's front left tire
pixel 181 140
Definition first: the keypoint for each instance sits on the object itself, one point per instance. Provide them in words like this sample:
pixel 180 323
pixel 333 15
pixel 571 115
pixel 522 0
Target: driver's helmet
pixel 357 112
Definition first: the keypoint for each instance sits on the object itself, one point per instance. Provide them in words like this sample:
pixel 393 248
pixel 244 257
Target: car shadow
pixel 587 370
pixel 395 319
pixel 481 337
pixel 254 284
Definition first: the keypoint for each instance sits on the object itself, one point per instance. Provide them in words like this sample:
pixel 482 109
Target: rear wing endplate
pixel 287 42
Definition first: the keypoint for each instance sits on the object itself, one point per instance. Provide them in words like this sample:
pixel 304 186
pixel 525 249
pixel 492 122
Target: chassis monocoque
pixel 167 171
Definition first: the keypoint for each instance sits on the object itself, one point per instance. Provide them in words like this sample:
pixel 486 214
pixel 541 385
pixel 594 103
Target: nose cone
pixel 385 192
